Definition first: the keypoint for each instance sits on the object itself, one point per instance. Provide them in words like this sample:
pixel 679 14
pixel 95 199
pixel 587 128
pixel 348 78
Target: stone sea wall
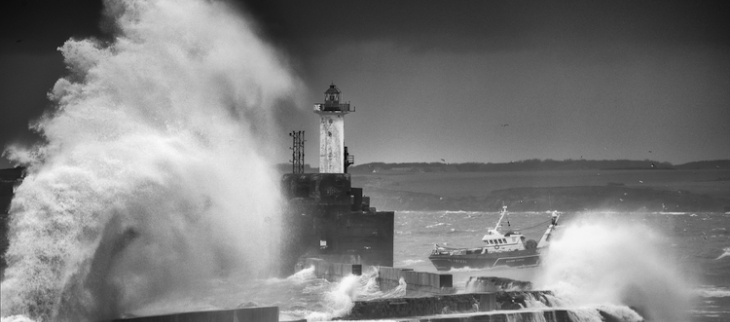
pixel 417 283
pixel 255 314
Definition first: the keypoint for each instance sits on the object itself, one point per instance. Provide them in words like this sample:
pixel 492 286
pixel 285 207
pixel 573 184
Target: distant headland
pixel 524 165
pixel 539 185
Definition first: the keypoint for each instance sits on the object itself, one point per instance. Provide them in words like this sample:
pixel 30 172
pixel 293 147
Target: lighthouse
pixel 326 217
pixel 333 157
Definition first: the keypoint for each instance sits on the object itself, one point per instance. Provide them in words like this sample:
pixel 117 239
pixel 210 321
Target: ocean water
pixel 669 267
pixel 674 265
pixel 680 272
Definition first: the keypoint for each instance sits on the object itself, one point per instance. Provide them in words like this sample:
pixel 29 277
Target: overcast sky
pixel 482 81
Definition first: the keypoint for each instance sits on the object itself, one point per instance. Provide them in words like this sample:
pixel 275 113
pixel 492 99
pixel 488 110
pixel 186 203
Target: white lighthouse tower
pixel 332 152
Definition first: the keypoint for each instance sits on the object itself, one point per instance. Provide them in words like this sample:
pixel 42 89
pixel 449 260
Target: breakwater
pixel 254 314
pixel 418 283
pixel 433 297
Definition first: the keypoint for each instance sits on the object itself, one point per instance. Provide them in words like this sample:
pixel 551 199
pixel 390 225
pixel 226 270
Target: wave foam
pixel 725 254
pixel 16 318
pixel 338 301
pixel 155 155
pixel 409 262
pixel 604 260
pixel 712 291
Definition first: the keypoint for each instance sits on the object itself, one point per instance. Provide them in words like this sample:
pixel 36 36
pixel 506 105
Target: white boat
pixel 500 250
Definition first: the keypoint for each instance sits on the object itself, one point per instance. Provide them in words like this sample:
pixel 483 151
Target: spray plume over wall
pixel 607 261
pixel 154 173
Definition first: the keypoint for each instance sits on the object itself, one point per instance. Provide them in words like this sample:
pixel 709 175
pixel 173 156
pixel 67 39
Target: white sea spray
pixel 154 173
pixel 339 300
pixel 595 261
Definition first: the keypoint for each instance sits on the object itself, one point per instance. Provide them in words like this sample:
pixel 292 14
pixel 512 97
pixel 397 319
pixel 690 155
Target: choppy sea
pixel 667 266
pixel 674 262
pixel 671 266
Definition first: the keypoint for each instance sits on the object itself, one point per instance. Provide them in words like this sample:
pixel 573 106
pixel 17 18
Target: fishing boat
pixel 499 250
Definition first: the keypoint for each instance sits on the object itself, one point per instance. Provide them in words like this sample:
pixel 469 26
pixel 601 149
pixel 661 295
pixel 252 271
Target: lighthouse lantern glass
pixel 331 97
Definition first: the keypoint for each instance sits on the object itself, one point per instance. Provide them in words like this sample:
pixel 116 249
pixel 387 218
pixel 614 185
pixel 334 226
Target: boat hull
pixel 513 259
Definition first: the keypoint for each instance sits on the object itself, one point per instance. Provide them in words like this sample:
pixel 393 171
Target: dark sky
pixel 483 81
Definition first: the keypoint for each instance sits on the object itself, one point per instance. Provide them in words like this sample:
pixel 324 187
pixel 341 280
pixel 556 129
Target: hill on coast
pixel 534 165
pixel 539 185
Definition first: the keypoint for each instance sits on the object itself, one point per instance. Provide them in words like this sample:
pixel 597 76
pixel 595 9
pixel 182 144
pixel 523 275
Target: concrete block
pixel 330 271
pixel 254 314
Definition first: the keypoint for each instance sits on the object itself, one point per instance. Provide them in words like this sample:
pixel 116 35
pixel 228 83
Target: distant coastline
pixel 539 185
pixel 523 165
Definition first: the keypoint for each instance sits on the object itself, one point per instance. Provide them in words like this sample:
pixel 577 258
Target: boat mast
pixel 499 222
pixel 545 240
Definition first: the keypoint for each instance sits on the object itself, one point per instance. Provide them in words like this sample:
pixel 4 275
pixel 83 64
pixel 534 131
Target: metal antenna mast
pixel 297 151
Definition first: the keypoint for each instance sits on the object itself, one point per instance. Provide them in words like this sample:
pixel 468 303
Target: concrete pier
pixel 495 284
pixel 329 270
pixel 254 314
pixel 539 315
pixel 442 304
pixel 422 306
pixel 557 315
pixel 417 283
pixel 430 296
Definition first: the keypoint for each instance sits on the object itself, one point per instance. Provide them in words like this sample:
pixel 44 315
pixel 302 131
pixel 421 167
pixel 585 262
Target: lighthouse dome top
pixel 332 102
